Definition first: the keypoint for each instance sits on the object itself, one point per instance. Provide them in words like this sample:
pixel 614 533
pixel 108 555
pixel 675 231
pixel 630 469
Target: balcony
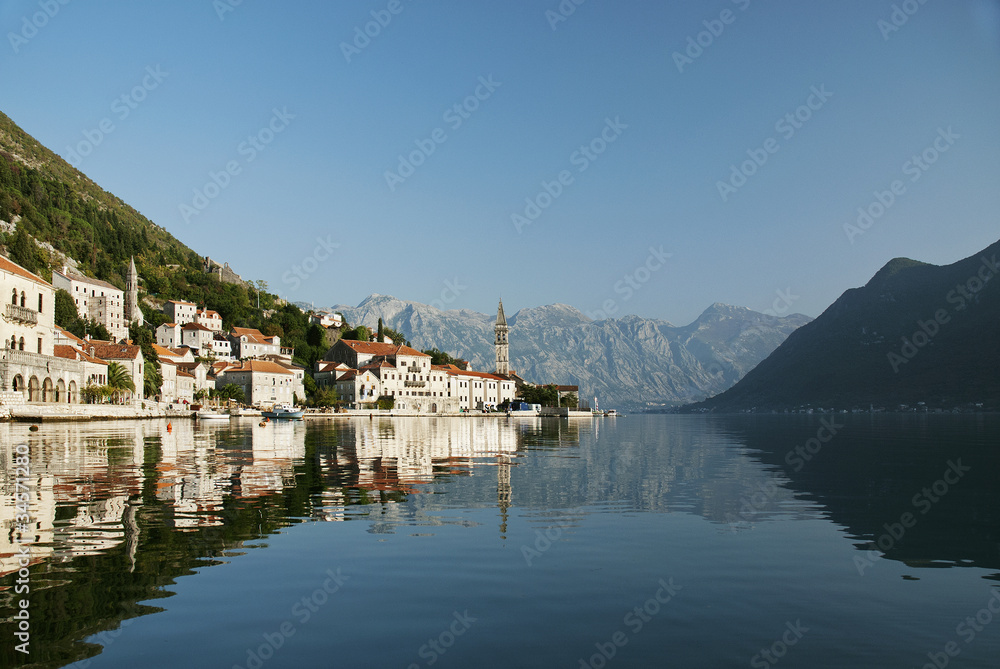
pixel 22 314
pixel 414 384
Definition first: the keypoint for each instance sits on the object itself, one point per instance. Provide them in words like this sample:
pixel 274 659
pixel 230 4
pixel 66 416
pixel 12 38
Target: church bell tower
pixel 500 343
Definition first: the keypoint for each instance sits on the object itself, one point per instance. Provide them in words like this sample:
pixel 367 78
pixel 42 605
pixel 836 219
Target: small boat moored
pixel 282 411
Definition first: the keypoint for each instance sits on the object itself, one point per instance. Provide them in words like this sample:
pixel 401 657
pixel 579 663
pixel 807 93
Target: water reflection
pixel 120 510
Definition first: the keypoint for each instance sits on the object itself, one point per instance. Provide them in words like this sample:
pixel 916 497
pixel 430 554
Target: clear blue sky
pixel 553 87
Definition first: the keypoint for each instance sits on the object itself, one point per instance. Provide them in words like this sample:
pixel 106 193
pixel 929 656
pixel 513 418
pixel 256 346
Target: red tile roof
pixel 12 267
pixel 115 351
pixel 260 366
pixel 378 348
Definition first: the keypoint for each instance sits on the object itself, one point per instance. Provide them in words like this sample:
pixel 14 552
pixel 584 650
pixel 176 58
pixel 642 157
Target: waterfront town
pixel 44 364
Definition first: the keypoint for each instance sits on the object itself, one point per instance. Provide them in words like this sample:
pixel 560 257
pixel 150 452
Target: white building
pixel 180 312
pixel 252 343
pixel 95 299
pixel 326 320
pixel 29 369
pixel 222 348
pixel 210 319
pixel 263 382
pixel 168 335
pixel 363 372
pixel 196 336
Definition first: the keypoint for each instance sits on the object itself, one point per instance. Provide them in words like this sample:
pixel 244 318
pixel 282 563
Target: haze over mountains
pixel 914 333
pixel 631 361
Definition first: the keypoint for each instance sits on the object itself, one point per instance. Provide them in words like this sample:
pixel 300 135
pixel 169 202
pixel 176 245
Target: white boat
pixel 282 411
pixel 210 414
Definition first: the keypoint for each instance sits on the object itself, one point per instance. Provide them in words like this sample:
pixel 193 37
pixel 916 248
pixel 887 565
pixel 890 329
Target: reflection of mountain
pixel 122 510
pixel 879 467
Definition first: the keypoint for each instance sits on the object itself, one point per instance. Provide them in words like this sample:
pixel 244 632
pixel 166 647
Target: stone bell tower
pixel 500 343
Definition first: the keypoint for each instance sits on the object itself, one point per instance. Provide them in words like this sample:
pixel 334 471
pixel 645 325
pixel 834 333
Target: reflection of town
pixel 91 484
pixel 87 481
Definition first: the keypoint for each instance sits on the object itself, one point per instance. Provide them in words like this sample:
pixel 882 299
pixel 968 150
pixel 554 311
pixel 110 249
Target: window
pixel 22 298
pixel 39 303
pixel 39 344
pixel 13 297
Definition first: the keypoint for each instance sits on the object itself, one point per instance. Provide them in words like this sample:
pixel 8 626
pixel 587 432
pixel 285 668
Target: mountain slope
pixel 914 333
pixel 628 361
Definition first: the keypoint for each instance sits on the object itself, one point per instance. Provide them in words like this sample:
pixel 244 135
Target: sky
pixel 646 158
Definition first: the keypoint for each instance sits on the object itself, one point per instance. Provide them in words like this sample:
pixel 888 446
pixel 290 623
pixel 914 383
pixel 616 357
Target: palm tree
pixel 119 379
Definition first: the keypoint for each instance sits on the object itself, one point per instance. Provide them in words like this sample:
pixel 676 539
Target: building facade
pixel 95 300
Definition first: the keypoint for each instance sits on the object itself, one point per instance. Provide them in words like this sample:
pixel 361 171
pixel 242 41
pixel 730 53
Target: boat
pixel 282 411
pixel 210 414
pixel 245 411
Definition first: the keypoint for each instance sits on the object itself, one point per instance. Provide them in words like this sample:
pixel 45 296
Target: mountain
pixel 630 361
pixel 914 333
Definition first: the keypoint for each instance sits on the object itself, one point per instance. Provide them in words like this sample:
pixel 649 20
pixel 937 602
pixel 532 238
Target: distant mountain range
pixel 626 362
pixel 915 333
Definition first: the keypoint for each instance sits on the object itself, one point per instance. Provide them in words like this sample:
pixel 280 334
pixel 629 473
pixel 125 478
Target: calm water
pixel 643 541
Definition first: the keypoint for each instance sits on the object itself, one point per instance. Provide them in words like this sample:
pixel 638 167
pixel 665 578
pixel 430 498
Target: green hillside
pixel 57 205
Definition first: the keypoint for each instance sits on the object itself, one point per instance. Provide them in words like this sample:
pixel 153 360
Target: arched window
pixel 21 344
pixel 13 297
pixel 22 298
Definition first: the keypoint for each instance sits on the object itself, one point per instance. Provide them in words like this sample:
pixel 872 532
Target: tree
pixel 325 397
pixel 233 392
pixel 570 401
pixel 547 395
pixel 142 336
pixel 379 337
pixel 65 310
pixel 119 380
pixel 152 380
pixel 442 358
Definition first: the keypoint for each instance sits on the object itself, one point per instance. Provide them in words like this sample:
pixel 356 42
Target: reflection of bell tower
pixel 503 491
pixel 500 343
